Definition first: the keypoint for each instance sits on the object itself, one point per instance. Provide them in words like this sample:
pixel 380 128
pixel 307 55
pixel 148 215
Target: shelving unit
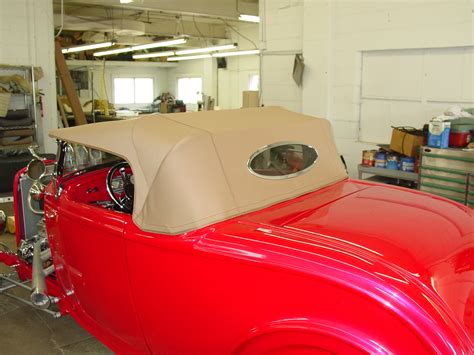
pixel 14 152
pixel 21 101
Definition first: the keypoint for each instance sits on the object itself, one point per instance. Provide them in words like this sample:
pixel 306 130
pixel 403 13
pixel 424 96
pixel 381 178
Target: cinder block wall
pixel 332 35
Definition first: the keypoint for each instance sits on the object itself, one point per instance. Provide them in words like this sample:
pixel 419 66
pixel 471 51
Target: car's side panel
pixel 192 296
pixel 89 256
pixel 305 336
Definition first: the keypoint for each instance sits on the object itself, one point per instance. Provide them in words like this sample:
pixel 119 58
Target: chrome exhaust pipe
pixel 38 297
pixel 49 270
pixel 45 255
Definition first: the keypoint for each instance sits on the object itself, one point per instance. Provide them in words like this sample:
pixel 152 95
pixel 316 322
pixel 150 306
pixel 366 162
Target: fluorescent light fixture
pixel 112 51
pixel 207 49
pixel 202 56
pixel 249 18
pixel 86 47
pixel 166 43
pixel 231 54
pixel 126 1
pixel 223 54
pixel 153 55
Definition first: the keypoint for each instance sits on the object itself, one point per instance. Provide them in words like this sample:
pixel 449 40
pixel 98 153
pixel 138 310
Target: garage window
pixel 133 90
pixel 254 82
pixel 190 90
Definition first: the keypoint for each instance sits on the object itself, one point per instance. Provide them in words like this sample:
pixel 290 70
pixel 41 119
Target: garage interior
pixel 394 78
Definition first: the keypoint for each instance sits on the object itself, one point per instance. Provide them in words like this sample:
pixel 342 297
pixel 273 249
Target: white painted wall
pixel 225 85
pixel 333 35
pixel 26 38
pixel 420 84
pixel 281 37
pixel 235 79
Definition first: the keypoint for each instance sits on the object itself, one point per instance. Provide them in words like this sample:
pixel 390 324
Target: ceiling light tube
pixel 231 54
pixel 113 51
pixel 202 56
pixel 207 49
pixel 167 43
pixel 86 47
pixel 249 18
pixel 153 55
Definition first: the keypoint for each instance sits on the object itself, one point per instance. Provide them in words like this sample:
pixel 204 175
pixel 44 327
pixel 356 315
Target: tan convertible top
pixel 190 169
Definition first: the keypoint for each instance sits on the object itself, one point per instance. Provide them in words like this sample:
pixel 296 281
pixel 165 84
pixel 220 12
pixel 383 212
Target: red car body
pixel 351 268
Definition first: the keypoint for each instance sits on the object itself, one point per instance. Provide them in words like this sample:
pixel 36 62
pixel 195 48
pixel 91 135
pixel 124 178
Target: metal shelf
pixel 32 126
pixel 7 148
pixel 15 67
pixel 394 174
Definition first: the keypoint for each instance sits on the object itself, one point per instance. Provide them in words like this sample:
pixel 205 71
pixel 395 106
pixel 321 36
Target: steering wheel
pixel 120 186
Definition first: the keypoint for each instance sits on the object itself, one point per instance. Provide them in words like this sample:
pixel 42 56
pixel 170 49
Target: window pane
pixel 282 160
pixel 190 90
pixel 143 90
pixel 253 82
pixel 124 91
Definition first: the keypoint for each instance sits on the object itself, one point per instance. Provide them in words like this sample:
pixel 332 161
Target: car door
pixel 92 245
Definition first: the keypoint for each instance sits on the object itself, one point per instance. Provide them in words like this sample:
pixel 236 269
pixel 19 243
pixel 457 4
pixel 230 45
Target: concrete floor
pixel 24 330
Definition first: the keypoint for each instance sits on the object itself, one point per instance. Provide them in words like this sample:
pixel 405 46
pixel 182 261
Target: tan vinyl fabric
pixel 190 169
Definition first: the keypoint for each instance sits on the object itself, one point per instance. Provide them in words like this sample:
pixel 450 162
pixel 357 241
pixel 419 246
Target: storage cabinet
pixel 448 173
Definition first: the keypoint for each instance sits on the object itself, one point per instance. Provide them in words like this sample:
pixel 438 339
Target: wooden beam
pixel 68 85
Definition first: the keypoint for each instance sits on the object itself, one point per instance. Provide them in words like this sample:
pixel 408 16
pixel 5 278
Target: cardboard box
pixel 406 140
pixel 250 98
pixel 163 107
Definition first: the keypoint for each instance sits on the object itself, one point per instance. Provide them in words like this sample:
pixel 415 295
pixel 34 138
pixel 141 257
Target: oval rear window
pixel 282 160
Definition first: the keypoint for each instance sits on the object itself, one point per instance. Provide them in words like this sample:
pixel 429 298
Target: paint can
pixel 380 160
pixel 368 157
pixel 393 161
pixel 407 164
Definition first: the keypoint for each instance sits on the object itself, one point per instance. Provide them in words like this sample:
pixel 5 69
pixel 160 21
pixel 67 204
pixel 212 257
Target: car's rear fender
pixel 290 336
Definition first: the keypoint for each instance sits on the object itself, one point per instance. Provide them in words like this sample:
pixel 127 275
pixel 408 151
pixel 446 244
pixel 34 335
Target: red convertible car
pixel 238 232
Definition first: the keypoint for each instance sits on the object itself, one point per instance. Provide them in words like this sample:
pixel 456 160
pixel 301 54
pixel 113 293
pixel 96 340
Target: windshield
pixel 77 157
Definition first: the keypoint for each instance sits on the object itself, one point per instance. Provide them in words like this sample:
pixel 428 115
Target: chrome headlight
pixel 35 169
